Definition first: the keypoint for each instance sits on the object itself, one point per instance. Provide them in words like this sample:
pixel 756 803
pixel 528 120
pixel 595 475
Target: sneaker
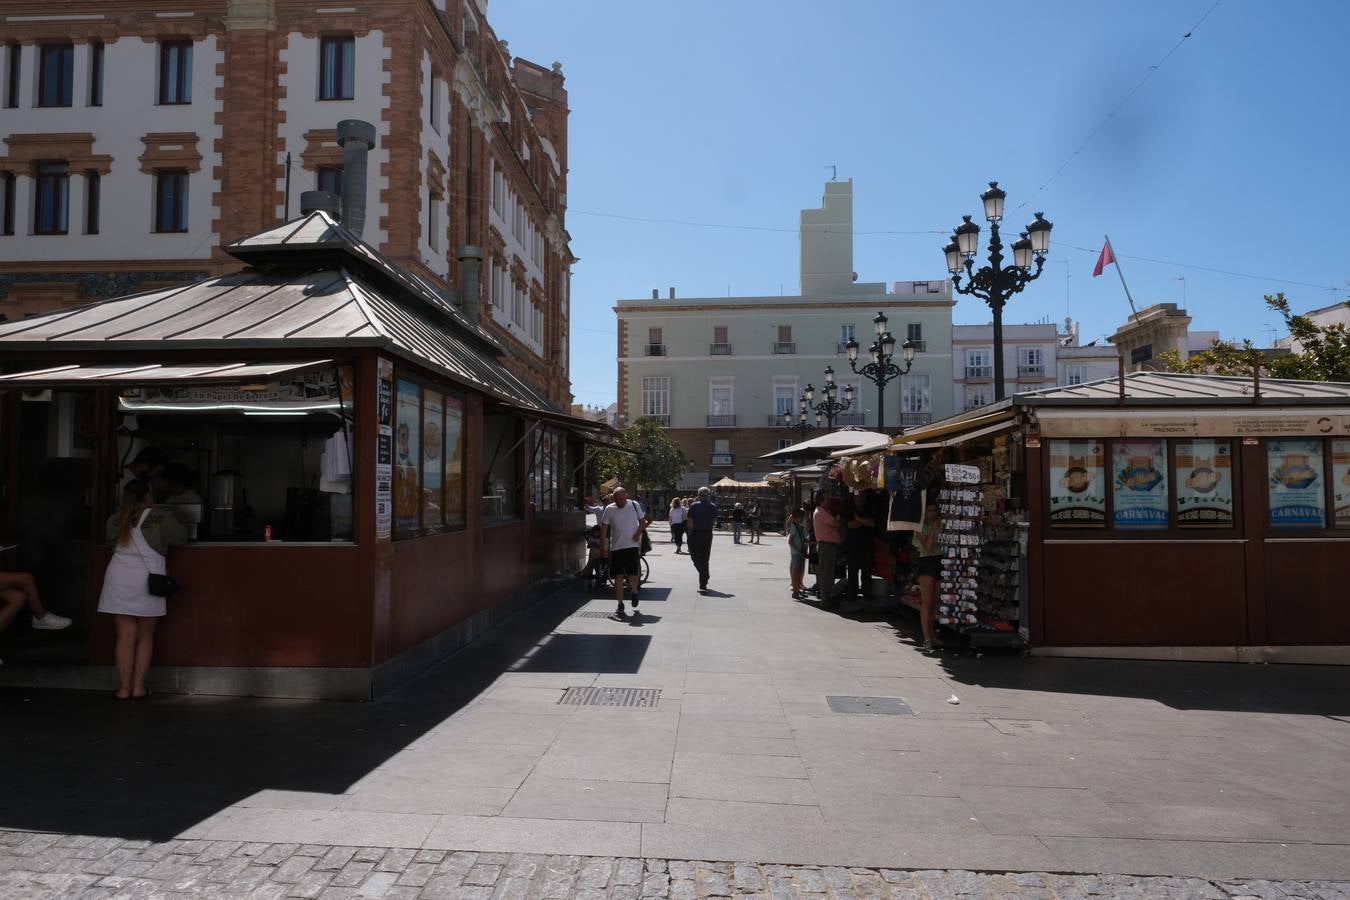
pixel 620 611
pixel 51 622
pixel 634 600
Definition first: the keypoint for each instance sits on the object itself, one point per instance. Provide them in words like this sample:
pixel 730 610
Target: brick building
pixel 139 137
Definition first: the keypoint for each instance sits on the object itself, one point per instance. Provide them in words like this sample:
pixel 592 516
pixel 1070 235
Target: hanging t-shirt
pixel 907 501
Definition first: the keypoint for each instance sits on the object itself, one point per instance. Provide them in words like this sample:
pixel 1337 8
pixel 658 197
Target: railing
pixel 723 459
pixel 1031 371
pixel 782 347
pixel 846 419
pixel 841 347
pixel 979 371
pixel 719 349
pixel 656 349
pixel 778 420
pixel 910 419
pixel 920 346
pixel 663 421
pixel 722 421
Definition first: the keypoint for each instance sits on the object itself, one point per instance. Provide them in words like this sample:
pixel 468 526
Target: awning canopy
pixel 936 433
pixel 154 373
pixel 827 443
pixel 731 484
pixel 1007 425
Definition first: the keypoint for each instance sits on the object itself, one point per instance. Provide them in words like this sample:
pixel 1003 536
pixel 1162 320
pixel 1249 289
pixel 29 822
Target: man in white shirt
pixel 621 527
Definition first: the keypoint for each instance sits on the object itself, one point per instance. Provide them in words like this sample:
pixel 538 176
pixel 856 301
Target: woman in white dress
pixel 143 537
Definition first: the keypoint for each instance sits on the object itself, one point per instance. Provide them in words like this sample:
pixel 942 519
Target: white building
pixel 1335 314
pixel 720 371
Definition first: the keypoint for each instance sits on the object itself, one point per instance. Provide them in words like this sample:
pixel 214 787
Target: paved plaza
pixel 476 782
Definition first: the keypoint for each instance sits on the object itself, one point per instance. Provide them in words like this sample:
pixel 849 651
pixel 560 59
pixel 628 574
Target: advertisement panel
pixel 384 451
pixel 1297 491
pixel 407 452
pixel 1204 484
pixel 1139 483
pixel 1340 483
pixel 1077 484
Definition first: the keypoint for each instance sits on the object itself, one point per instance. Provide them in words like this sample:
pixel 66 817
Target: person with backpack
pixel 623 526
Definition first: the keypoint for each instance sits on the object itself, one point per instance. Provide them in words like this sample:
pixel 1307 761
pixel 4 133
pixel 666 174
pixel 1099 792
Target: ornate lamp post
pixel 801 426
pixel 881 370
pixel 995 283
pixel 828 407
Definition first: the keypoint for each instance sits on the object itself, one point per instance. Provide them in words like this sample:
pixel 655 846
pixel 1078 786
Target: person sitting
pixel 19 589
pixel 595 560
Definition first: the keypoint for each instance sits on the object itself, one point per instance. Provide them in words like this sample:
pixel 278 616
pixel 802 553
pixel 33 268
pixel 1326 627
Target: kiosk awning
pixel 106 374
pixel 996 428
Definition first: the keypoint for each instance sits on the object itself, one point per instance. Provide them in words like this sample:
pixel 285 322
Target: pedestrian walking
pixel 737 523
pixel 702 517
pixel 829 529
pixel 928 569
pixel 755 532
pixel 621 528
pixel 678 514
pixel 796 534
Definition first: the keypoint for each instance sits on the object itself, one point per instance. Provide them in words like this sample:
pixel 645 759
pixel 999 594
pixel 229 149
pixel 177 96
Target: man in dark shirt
pixel 702 515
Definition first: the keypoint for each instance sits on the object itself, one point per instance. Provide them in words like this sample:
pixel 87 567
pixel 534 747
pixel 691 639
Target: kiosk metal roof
pixel 1166 388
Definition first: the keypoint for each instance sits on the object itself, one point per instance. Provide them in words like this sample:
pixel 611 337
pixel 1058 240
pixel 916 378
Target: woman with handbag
pixel 136 584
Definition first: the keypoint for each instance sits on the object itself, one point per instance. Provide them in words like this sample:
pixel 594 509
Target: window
pixel 337 67
pixel 428 460
pixel 1032 356
pixel 722 445
pixel 171 200
pixel 979 395
pixel 7 184
pixel 721 452
pixel 434 222
pixel 329 178
pixel 56 74
pixel 786 442
pixel 653 335
pixel 719 334
pixel 979 363
pixel 1075 374
pixel 12 78
pixel 848 333
pixel 96 73
pixel 175 73
pixel 785 334
pixel 549 463
pixel 434 106
pixel 500 449
pixel 916 394
pixel 93 183
pixel 784 399
pixel 52 203
pixel 720 399
pixel 914 331
pixel 656 395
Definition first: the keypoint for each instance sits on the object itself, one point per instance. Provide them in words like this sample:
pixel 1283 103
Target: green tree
pixel 656 462
pixel 1324 352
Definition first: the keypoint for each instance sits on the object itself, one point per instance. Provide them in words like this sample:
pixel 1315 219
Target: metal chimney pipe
pixel 321 201
pixel 470 258
pixel 656 293
pixel 672 293
pixel 357 139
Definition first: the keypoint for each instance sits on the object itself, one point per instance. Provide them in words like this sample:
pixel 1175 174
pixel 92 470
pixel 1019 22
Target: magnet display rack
pixel 980 589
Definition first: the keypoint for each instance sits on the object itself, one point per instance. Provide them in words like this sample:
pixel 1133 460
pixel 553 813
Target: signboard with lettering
pixel 1195 423
pixel 384 450
pixel 959 474
pixel 1077 484
pixel 1139 473
pixel 1297 491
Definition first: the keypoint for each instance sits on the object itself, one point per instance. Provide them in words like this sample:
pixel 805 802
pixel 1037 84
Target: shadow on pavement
pixel 85 763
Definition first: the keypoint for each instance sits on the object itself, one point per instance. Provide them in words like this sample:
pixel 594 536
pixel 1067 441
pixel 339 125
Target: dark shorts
pixel 930 566
pixel 625 562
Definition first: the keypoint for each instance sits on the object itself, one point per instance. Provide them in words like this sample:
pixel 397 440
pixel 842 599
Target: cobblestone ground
pixel 49 865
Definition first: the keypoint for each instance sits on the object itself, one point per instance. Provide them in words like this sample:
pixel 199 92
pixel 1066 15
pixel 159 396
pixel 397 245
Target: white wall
pixel 127 195
pixel 304 112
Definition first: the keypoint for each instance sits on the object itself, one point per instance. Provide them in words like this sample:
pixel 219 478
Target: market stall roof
pixel 957 428
pixel 1175 388
pixel 729 483
pixel 826 443
pixel 76 376
pixel 962 437
pixel 312 285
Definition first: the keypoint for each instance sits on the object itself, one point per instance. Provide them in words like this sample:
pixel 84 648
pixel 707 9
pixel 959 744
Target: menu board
pixel 407 448
pixel 1340 480
pixel 1204 483
pixel 1139 473
pixel 1297 492
pixel 384 451
pixel 1077 484
pixel 433 464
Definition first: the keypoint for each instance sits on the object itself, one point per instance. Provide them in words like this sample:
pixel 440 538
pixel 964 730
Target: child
pixel 595 562
pixel 797 549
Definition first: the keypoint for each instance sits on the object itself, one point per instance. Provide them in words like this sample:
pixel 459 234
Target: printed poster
pixel 1077 484
pixel 384 450
pixel 407 450
pixel 1297 493
pixel 1204 484
pixel 1139 470
pixel 433 460
pixel 1340 485
pixel 454 459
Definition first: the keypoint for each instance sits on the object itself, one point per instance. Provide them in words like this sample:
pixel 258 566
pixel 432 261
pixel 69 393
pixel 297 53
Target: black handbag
pixel 162 585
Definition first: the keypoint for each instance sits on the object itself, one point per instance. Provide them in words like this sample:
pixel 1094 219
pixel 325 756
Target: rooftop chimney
pixel 656 293
pixel 672 293
pixel 356 138
pixel 321 201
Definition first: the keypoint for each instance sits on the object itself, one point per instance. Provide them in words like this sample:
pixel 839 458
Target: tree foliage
pixel 1323 352
pixel 656 462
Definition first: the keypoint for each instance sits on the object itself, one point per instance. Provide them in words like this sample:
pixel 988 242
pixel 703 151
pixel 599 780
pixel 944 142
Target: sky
pixel 1226 168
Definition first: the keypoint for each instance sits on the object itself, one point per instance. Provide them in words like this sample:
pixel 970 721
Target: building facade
pixel 721 371
pixel 140 137
pixel 1028 361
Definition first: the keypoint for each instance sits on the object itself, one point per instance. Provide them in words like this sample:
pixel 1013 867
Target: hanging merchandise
pixel 961 508
pixel 907 497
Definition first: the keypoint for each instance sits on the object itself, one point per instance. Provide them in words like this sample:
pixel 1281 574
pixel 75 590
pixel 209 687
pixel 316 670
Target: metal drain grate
pixel 870 706
pixel 775 579
pixel 592 614
pixel 610 696
pixel 759 563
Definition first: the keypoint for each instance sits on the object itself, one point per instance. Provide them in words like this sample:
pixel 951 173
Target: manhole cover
pixel 610 696
pixel 870 706
pixel 1021 726
pixel 592 614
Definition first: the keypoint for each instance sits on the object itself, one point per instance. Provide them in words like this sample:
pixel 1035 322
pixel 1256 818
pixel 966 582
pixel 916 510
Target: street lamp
pixel 995 283
pixel 829 407
pixel 801 426
pixel 881 370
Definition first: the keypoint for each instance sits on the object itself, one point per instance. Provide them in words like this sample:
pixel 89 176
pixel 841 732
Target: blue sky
pixel 1232 156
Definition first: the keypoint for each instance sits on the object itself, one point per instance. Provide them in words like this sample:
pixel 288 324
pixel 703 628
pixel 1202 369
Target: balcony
pixel 844 420
pixel 722 421
pixel 1031 371
pixel 912 419
pixel 663 421
pixel 784 347
pixel 656 350
pixel 841 347
pixel 920 346
pixel 719 349
pixel 723 459
pixel 978 373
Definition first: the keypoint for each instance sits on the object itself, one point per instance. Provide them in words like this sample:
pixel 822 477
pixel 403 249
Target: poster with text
pixel 433 460
pixel 1340 486
pixel 1297 492
pixel 1139 481
pixel 407 451
pixel 1077 484
pixel 1204 484
pixel 454 460
pixel 384 451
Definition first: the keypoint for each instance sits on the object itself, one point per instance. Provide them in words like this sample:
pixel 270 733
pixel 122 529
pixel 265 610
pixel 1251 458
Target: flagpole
pixel 1116 260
